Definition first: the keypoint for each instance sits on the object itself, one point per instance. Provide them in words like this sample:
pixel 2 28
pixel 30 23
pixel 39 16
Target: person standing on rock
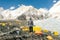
pixel 30 24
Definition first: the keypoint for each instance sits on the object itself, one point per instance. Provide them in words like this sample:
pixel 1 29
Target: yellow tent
pixel 45 30
pixel 3 24
pixel 25 28
pixel 37 28
pixel 56 33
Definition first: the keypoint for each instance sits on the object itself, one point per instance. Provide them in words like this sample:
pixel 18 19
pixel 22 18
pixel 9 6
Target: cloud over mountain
pixel 12 7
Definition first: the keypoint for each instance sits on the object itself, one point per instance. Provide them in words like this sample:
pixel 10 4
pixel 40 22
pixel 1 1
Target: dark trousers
pixel 31 28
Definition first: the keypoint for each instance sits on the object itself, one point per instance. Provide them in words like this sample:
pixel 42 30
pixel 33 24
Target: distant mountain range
pixel 30 11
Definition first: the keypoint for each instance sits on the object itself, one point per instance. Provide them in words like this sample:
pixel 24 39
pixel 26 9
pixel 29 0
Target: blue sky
pixel 36 3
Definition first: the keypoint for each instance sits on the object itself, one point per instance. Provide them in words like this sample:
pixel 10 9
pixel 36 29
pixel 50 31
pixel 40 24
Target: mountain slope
pixel 41 13
pixel 50 24
pixel 26 10
pixel 55 11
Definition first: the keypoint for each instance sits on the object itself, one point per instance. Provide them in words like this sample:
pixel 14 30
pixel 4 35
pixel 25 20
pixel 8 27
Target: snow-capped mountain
pixel 26 10
pixel 13 14
pixel 55 11
pixel 23 11
pixel 41 13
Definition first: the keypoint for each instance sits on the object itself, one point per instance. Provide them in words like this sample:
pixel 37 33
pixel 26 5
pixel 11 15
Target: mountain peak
pixel 23 9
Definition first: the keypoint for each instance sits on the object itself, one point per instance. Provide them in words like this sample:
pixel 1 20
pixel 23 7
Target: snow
pixel 55 10
pixel 13 14
pixel 49 24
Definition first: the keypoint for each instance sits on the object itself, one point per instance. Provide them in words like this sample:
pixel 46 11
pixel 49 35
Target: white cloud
pixel 12 7
pixel 54 1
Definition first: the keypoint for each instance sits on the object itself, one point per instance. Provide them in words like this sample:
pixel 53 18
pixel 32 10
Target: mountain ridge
pixel 41 13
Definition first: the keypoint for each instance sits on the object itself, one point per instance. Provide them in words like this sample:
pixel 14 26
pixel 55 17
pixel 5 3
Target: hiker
pixel 30 24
